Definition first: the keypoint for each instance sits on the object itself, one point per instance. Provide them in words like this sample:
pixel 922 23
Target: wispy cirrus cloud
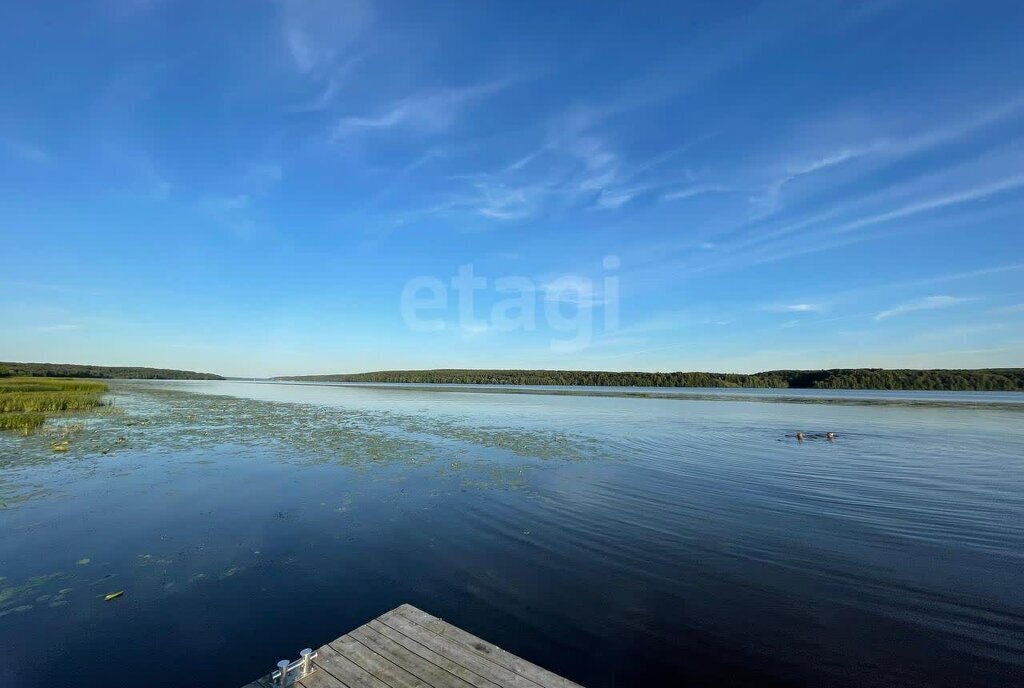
pixel 795 308
pixel 900 140
pixel 319 33
pixel 608 177
pixel 605 177
pixel 692 191
pixel 769 197
pixel 927 303
pixel 485 199
pixel 574 164
pixel 330 87
pixel 966 274
pixel 428 112
pixel 990 178
pixel 610 199
pixel 935 203
pixel 324 41
pixel 504 203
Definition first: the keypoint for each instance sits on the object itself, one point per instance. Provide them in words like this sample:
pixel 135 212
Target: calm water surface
pixel 617 541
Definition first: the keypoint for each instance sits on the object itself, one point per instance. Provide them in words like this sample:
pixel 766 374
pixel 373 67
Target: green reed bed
pixel 25 423
pixel 49 384
pixel 47 402
pixel 26 403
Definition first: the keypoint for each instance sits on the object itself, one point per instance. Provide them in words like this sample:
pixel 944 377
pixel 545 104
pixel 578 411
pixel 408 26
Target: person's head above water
pixel 830 435
pixel 800 436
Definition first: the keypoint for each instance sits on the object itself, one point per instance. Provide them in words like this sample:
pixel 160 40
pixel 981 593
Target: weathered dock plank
pixel 408 648
pixel 472 659
pixel 449 665
pixel 261 683
pixel 334 669
pixel 380 667
pixel 424 667
pixel 517 665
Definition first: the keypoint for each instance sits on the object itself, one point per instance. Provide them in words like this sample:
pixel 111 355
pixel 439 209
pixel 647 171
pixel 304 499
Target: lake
pixel 615 540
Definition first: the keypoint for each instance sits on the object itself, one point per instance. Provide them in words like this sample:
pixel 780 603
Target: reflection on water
pixel 615 540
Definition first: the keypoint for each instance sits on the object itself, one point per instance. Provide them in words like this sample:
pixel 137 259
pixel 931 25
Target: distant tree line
pixel 106 372
pixel 994 379
pixel 986 380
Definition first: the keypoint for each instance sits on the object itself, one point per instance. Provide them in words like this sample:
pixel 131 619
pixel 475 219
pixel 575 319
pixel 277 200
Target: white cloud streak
pixel 975 194
pixel 430 112
pixel 505 203
pixel 690 192
pixel 795 308
pixel 318 33
pixel 890 147
pixel 926 304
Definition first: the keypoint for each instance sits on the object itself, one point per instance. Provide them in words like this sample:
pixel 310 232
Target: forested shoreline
pixel 990 379
pixel 986 379
pixel 103 372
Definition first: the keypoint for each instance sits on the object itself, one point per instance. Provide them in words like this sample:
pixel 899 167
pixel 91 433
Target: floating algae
pixel 16 610
pixel 230 572
pixel 12 594
pixel 64 430
pixel 146 418
pixel 497 477
pixel 60 599
pixel 179 419
pixel 150 560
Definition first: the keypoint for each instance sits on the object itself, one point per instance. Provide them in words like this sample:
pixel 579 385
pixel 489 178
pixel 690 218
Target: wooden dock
pixel 408 648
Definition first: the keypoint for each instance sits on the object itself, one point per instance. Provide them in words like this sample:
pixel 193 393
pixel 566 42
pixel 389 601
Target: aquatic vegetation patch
pixel 198 429
pixel 64 430
pixel 176 419
pixel 491 477
pixel 48 402
pixel 13 596
pixel 26 403
pixel 49 384
pixel 25 423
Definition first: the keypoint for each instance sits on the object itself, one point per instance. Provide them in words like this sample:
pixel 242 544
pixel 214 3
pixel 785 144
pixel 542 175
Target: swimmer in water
pixel 830 435
pixel 799 437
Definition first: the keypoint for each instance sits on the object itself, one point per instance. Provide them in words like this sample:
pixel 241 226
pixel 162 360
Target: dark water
pixel 617 541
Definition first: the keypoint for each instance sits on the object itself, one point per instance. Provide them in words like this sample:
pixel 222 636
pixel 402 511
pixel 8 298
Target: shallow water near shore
pixel 614 540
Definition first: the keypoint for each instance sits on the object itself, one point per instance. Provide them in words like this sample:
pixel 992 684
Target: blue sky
pixel 250 188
